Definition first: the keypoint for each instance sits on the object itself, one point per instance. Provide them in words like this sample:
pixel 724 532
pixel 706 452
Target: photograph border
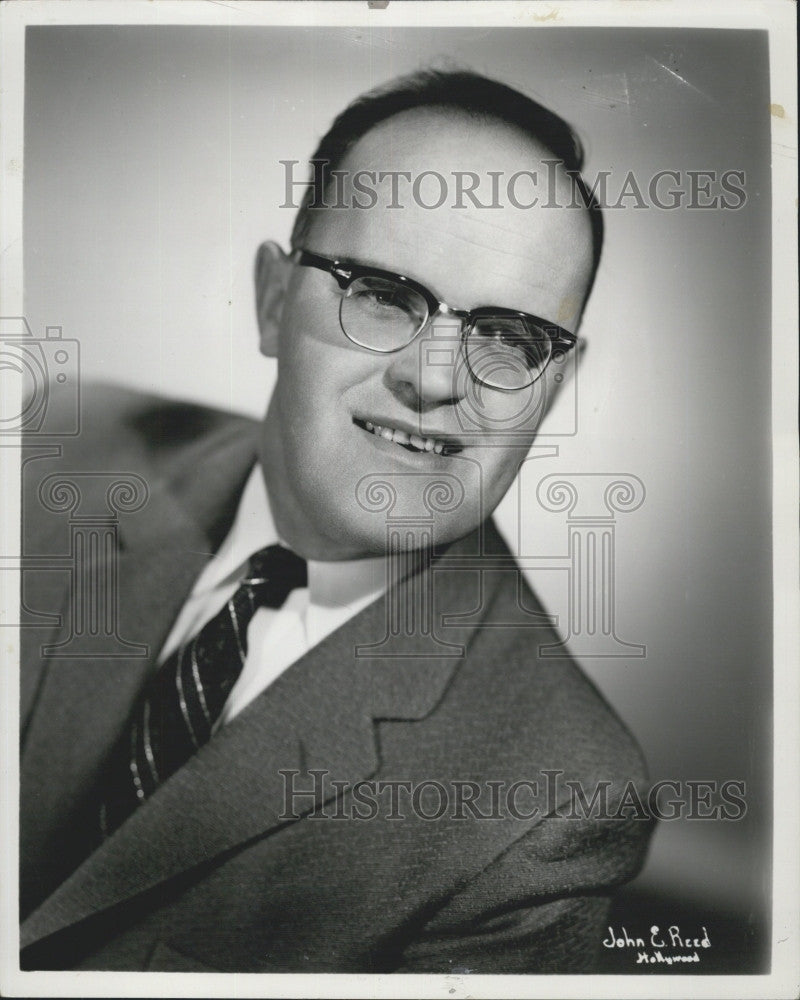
pixel 776 17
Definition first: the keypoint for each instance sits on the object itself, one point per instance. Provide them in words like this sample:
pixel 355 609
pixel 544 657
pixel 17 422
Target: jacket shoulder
pixel 118 421
pixel 125 432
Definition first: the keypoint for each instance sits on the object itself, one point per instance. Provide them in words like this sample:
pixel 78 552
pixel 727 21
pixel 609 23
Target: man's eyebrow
pixel 390 268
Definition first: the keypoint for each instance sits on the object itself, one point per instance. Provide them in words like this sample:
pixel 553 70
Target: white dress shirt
pixel 275 637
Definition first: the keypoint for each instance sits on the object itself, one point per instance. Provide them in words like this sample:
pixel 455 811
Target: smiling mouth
pixel 411 442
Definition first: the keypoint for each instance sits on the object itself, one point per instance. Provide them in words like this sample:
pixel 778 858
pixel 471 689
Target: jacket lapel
pixel 319 714
pixel 82 704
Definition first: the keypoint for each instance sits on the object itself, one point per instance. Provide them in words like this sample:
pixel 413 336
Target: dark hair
pixel 460 90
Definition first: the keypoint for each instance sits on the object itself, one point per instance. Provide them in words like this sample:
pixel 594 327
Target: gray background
pixel 151 175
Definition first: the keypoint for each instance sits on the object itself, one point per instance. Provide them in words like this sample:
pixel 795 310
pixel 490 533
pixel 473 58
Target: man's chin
pixel 394 537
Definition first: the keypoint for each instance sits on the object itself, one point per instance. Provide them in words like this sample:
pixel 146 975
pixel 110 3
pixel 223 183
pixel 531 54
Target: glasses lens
pixel 380 314
pixel 507 352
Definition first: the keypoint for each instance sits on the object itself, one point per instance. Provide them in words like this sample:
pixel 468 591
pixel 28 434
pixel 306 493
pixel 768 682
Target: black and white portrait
pixel 398 423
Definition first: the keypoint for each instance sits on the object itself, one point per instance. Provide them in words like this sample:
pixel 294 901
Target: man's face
pixel 322 462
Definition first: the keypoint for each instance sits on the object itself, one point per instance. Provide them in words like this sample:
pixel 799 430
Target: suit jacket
pixel 219 870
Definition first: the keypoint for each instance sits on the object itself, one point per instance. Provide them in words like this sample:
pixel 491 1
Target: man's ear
pixel 272 272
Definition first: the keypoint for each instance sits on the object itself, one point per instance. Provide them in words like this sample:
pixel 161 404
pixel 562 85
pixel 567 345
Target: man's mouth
pixel 408 440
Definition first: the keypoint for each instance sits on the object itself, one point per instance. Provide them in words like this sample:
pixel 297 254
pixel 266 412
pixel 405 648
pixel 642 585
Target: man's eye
pixel 511 339
pixel 504 335
pixel 384 301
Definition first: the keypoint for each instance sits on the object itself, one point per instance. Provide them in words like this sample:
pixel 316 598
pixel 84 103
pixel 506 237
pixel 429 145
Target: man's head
pixel 350 408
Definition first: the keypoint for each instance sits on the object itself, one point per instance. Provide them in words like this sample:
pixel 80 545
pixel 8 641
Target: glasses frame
pixel 346 272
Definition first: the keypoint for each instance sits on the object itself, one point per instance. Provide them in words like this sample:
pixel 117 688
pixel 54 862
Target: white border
pixel 775 16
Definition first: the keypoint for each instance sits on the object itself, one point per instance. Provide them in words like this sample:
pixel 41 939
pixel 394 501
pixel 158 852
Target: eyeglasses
pixel 383 311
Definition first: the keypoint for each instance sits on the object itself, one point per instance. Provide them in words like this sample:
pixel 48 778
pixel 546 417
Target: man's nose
pixel 430 372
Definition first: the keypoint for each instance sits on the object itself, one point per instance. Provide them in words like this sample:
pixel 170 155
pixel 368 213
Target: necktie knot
pixel 272 573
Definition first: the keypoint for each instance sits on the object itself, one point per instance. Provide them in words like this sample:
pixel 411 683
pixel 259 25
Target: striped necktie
pixel 178 708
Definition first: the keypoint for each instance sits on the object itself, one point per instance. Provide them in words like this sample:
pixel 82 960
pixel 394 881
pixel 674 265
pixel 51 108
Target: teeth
pixel 403 438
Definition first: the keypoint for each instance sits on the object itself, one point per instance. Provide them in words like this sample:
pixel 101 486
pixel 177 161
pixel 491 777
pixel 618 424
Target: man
pixel 350 764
